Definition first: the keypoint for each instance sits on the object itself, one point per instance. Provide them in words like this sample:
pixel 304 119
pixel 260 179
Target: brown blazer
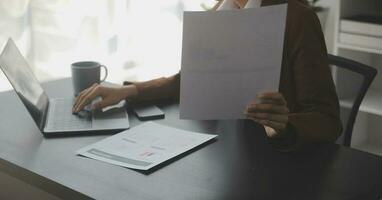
pixel 305 81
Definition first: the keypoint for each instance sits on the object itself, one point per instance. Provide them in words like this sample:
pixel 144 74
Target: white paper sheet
pixel 227 58
pixel 144 146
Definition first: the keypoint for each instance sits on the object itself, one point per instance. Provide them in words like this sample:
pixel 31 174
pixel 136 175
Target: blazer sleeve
pixel 316 115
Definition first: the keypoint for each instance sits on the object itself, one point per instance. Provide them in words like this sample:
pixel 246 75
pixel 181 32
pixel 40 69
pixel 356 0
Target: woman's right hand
pixel 110 96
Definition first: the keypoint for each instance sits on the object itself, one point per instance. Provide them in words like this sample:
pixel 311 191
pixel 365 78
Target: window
pixel 136 39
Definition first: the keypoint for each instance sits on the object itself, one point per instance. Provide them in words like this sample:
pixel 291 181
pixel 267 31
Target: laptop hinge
pixel 45 116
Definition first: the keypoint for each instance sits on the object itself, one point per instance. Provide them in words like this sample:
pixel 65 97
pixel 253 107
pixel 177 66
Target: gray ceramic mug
pixel 85 74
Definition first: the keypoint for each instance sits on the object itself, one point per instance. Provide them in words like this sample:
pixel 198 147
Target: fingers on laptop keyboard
pixel 80 96
pixel 85 97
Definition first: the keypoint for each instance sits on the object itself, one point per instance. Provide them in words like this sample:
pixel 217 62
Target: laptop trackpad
pixel 115 113
pixel 113 118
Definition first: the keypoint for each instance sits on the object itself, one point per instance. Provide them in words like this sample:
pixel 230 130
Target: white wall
pixel 330 22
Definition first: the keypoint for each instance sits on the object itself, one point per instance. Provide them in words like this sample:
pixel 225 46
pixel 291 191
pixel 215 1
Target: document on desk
pixel 144 146
pixel 227 58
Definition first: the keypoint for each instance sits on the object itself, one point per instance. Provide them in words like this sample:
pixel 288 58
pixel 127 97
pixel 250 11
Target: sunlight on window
pixel 136 39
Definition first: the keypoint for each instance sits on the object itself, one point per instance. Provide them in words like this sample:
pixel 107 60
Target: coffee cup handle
pixel 106 73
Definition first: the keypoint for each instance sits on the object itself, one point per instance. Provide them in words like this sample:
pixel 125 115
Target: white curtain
pixel 135 39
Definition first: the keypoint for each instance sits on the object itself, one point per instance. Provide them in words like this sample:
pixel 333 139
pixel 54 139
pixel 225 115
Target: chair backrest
pixel 368 74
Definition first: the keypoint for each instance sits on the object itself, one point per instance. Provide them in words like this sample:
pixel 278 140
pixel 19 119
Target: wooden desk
pixel 240 164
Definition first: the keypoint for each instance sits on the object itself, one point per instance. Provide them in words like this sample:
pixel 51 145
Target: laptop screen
pixel 26 85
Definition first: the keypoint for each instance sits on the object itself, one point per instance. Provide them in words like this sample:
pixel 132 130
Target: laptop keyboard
pixel 61 117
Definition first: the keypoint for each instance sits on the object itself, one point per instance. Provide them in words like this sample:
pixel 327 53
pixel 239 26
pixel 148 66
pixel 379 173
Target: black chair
pixel 368 74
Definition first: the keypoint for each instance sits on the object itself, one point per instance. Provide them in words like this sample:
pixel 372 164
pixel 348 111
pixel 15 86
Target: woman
pixel 305 110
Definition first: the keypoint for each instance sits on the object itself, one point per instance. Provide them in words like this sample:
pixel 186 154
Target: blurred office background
pixel 135 39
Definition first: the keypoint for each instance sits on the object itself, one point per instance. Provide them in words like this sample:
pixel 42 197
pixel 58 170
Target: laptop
pixel 54 116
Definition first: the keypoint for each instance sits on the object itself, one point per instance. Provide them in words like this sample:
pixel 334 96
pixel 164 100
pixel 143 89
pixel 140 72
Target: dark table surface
pixel 240 164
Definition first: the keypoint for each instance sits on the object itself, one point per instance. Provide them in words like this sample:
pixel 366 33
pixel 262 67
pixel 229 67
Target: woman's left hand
pixel 271 111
